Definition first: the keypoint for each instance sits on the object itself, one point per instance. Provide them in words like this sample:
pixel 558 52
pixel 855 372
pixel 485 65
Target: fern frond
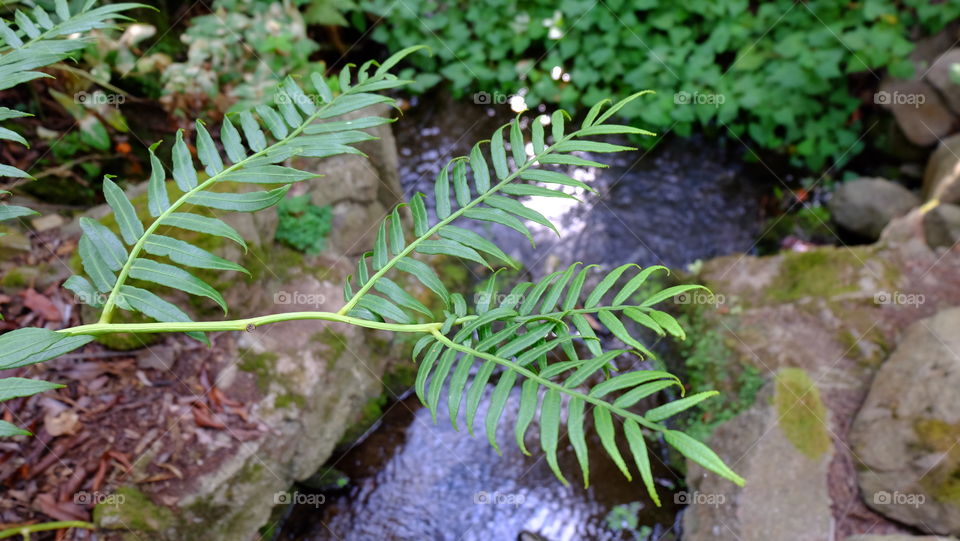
pixel 265 137
pixel 489 192
pixel 32 41
pixel 519 332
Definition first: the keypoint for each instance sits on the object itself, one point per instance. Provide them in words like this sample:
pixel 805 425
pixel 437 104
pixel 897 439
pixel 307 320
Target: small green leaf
pixel 603 423
pixel 184 174
pixel 701 454
pixel 207 151
pixel 449 247
pixel 549 431
pixel 251 130
pixel 384 308
pixel 157 198
pixel 457 384
pixel 577 438
pixel 460 187
pixel 499 155
pixel 232 143
pixel 638 448
pixel 442 193
pixel 475 394
pixel 421 223
pixel 469 238
pixel 529 400
pixel 438 380
pixel 610 321
pixel 187 254
pixel 499 217
pixel 273 121
pixel 204 224
pixel 672 408
pixel 174 277
pixel 130 226
pixel 241 202
pixel 481 172
pixel 498 400
pixel 105 243
pixel 635 283
pixel 17 387
pixel 605 285
pixel 424 369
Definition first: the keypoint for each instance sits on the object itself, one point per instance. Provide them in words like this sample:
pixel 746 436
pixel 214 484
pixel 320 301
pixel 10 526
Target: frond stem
pixel 244 324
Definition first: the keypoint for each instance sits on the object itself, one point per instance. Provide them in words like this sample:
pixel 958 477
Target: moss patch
pixel 335 342
pixel 937 435
pixel 824 272
pixel 261 365
pixel 710 363
pixel 130 509
pixel 801 412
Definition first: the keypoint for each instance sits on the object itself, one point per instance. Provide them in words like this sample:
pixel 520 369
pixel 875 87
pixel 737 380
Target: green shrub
pixel 774 73
pixel 303 226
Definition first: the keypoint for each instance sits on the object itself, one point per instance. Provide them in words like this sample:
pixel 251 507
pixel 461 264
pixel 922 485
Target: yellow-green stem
pixel 28 529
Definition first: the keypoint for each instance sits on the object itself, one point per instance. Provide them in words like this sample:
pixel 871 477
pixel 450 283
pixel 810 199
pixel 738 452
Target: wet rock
pixel 866 205
pixel 941 225
pixel 939 76
pixel 906 435
pixel 920 112
pixel 941 179
pixel 781 446
pixel 835 313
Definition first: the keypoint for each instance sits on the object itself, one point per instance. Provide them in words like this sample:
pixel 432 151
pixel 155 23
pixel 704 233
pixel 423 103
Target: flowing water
pixel 411 479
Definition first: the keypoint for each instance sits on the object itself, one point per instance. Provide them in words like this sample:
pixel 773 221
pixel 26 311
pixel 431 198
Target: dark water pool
pixel 683 200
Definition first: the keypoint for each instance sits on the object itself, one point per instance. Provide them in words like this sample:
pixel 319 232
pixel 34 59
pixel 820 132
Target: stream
pixel 411 479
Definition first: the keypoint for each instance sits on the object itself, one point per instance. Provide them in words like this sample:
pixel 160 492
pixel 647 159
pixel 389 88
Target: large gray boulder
pixel 781 446
pixel 866 205
pixel 835 313
pixel 907 434
pixel 919 110
pixel 941 179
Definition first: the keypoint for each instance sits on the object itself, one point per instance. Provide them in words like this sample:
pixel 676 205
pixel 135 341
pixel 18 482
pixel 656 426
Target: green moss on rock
pixel 130 509
pixel 801 413
pixel 261 365
pixel 824 272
